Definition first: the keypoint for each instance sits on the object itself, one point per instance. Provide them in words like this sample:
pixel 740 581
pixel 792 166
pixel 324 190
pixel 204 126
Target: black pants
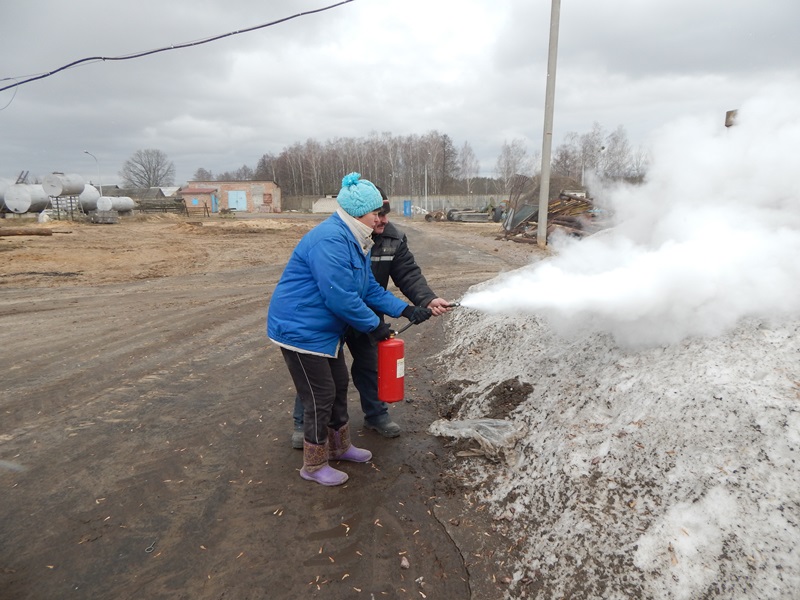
pixel 364 370
pixel 321 383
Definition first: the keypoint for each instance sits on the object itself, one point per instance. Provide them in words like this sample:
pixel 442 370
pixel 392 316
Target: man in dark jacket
pixel 391 258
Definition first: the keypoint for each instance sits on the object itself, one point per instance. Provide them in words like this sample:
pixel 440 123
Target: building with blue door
pixel 238 196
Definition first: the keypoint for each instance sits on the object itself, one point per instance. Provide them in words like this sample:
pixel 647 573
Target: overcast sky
pixel 473 69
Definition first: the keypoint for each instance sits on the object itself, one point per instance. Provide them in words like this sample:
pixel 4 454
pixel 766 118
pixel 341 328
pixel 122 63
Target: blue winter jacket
pixel 327 285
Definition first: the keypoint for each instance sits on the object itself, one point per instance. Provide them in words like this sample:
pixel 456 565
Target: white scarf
pixel 363 233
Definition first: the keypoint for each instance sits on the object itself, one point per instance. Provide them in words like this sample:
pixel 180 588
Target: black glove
pixel 381 332
pixel 417 314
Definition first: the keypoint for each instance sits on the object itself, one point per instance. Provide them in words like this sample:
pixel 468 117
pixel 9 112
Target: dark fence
pixel 162 205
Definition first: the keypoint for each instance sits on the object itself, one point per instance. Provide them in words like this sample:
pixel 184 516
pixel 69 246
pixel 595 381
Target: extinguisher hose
pixel 402 329
pixel 407 325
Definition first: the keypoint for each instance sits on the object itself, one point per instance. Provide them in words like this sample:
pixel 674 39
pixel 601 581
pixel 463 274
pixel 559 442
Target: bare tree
pixel 148 168
pixel 640 161
pixel 432 157
pixel 412 165
pixel 266 168
pixel 608 155
pixel 513 160
pixel 567 161
pixel 203 175
pixel 617 154
pixel 393 160
pixel 449 165
pixel 313 156
pixel 375 170
pixel 468 166
pixel 243 173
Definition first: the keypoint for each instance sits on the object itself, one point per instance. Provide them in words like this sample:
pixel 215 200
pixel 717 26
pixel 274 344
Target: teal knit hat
pixel 358 196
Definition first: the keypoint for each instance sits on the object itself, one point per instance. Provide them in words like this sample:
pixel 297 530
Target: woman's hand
pixel 381 332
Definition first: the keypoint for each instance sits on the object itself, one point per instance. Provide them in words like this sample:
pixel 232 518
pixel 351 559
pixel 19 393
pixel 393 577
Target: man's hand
pixel 416 314
pixel 439 306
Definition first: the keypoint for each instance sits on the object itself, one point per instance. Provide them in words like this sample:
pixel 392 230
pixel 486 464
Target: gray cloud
pixel 466 68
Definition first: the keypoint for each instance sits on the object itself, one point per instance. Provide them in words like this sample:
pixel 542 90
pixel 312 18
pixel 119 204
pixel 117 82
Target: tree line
pixel 411 165
pixel 401 165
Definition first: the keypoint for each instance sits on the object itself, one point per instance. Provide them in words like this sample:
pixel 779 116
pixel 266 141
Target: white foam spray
pixel 712 237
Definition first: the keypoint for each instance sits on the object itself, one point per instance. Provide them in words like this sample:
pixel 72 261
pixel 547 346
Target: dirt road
pixel 150 418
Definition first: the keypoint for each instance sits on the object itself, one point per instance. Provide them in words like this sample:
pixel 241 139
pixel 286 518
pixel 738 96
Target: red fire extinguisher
pixel 392 366
pixel 391 369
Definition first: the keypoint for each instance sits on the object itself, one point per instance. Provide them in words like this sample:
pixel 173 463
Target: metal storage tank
pixel 117 203
pixel 88 198
pixel 3 187
pixel 59 184
pixel 21 198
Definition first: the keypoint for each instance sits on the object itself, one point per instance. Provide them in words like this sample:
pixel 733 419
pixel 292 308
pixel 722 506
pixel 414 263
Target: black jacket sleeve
pixel 408 277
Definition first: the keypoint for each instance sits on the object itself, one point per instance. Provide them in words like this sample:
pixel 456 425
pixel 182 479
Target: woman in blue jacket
pixel 328 285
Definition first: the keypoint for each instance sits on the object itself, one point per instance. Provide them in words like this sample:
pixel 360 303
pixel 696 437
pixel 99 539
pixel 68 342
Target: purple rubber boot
pixel 340 447
pixel 316 467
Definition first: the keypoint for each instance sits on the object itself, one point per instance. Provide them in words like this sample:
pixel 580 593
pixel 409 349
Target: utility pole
pixel 547 138
pixel 99 182
pixel 426 187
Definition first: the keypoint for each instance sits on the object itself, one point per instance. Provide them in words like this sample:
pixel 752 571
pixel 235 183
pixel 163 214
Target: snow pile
pixel 669 472
pixel 661 459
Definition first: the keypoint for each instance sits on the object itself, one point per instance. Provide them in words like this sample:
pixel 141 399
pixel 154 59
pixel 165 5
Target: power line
pixel 180 46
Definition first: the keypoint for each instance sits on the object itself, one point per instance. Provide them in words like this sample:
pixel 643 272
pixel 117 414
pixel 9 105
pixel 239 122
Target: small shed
pixel 200 197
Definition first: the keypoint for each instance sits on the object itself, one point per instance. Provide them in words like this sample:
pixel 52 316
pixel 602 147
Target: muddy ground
pixel 150 418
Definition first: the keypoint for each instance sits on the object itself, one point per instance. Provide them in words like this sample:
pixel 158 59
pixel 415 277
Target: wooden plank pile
pixel 569 213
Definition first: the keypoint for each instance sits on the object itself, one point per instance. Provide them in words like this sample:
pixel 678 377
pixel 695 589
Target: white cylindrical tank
pixel 21 198
pixel 3 188
pixel 59 184
pixel 123 204
pixel 88 198
pixel 117 203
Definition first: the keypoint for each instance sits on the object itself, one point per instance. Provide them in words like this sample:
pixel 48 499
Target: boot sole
pixel 384 433
pixel 311 478
pixel 352 460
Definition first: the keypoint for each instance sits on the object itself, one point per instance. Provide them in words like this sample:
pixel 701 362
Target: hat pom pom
pixel 351 179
